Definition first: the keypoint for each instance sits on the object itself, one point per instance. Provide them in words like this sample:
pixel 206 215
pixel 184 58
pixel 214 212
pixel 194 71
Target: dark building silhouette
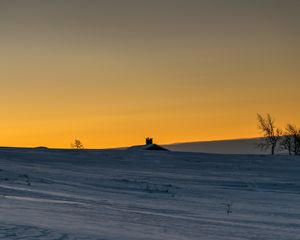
pixel 149 141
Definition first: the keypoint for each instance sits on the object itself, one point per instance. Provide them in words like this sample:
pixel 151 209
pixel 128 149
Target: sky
pixel 112 72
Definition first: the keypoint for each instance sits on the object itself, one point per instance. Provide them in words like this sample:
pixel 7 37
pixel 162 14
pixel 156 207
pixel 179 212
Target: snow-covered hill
pixel 120 194
pixel 234 146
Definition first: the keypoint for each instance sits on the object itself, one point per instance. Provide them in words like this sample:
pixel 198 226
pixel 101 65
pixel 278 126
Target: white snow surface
pixel 121 194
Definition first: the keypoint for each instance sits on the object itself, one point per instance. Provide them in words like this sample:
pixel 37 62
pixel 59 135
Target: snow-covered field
pixel 121 194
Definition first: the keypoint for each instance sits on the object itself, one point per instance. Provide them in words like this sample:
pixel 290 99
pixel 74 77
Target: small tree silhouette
pixel 287 142
pixel 271 134
pixel 292 133
pixel 77 144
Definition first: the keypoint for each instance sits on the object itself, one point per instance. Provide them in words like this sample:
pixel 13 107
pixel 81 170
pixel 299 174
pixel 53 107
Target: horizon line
pixel 122 147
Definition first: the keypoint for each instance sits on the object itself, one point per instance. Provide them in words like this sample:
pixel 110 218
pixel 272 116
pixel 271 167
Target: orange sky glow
pixel 113 72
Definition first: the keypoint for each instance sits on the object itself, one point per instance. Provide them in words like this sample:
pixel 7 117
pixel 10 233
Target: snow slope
pixel 120 194
pixel 234 146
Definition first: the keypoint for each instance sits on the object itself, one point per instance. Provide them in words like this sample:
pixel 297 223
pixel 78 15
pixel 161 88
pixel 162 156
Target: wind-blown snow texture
pixel 119 194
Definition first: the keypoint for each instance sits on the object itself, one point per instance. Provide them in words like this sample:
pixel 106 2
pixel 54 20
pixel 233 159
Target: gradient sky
pixel 113 72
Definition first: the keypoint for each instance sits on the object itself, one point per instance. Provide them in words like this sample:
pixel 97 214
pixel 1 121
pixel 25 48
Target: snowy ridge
pixel 127 194
pixel 231 146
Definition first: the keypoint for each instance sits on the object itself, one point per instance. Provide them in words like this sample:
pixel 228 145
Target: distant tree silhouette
pixel 271 133
pixel 77 144
pixel 287 142
pixel 292 133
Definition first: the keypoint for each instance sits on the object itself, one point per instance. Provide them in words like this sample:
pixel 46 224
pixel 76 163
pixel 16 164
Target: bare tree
pixel 287 142
pixel 77 144
pixel 293 132
pixel 270 132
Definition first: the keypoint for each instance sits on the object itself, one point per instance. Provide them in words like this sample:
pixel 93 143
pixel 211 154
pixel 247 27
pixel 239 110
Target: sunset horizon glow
pixel 111 73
